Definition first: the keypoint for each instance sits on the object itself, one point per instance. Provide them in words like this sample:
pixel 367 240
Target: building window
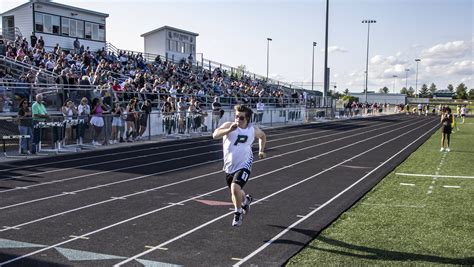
pixel 168 44
pixel 95 31
pixel 72 28
pixel 46 23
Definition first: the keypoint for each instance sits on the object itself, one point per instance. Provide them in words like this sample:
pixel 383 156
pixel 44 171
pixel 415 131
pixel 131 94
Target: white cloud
pixel 455 49
pixel 336 49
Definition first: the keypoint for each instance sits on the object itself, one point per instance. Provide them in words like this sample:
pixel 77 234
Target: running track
pixel 167 203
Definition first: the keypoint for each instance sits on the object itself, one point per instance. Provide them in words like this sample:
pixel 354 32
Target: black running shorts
pixel 239 177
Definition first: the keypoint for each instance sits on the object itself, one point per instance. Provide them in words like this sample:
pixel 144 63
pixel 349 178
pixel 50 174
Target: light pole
pixel 406 78
pixel 416 81
pixel 268 53
pixel 368 22
pixel 394 80
pixel 312 69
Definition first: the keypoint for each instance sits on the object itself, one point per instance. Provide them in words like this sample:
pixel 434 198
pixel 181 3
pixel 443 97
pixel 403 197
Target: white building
pixel 171 43
pixel 57 24
pixel 381 98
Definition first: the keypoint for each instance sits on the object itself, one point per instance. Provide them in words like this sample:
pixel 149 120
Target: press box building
pixel 171 43
pixel 57 24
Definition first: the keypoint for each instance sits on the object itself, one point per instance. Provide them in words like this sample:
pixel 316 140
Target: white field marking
pixel 325 204
pixel 144 176
pixel 282 190
pixel 434 175
pixel 394 205
pixel 79 237
pixel 10 228
pixel 134 151
pixel 167 185
pixel 118 198
pixel 160 248
pixel 176 204
pixel 451 186
pixel 161 153
pixel 236 259
pixel 145 149
pixel 407 184
pixel 211 192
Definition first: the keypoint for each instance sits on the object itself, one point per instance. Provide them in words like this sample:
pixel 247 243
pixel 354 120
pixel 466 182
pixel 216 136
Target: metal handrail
pixel 10 33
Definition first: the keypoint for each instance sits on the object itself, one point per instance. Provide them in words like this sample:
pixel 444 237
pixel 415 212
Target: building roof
pixel 57 5
pixel 168 28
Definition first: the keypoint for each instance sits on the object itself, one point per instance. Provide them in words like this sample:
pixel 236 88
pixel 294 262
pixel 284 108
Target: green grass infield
pixel 408 220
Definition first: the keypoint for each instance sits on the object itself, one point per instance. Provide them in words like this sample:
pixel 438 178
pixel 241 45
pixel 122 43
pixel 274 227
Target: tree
pixel 432 90
pixel 346 92
pixel 451 88
pixel 411 92
pixel 461 91
pixel 383 90
pixel 404 91
pixel 471 94
pixel 424 90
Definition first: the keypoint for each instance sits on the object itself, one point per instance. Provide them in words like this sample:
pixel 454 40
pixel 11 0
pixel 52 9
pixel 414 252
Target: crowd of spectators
pixel 121 76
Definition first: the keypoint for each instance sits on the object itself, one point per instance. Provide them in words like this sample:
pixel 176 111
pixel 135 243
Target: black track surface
pixel 156 198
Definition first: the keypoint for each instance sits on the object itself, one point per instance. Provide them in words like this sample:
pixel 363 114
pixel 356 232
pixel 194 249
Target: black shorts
pixel 239 177
pixel 446 129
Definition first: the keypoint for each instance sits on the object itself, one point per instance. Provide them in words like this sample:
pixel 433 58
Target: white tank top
pixel 238 149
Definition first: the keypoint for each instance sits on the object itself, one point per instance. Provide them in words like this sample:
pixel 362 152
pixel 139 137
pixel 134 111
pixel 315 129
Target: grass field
pixel 423 223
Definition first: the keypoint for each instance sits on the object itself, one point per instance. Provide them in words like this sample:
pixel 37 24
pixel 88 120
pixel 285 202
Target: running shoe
pixel 246 206
pixel 442 149
pixel 238 218
pixel 447 149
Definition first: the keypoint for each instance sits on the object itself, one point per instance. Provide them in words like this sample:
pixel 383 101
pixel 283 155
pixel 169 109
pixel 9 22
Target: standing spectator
pixel 68 110
pixel 40 43
pixel 131 119
pixel 39 114
pixel 260 110
pixel 463 113
pixel 144 115
pixel 77 46
pixel 446 124
pixel 33 39
pixel 181 106
pixel 117 123
pixel 217 112
pixel 97 119
pixel 83 112
pixel 24 126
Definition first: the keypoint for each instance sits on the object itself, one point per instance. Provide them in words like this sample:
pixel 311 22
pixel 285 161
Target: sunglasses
pixel 240 117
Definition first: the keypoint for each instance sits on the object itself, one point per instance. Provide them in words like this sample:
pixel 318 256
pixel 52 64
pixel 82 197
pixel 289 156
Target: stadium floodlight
pixel 406 78
pixel 268 54
pixel 394 81
pixel 312 69
pixel 368 22
pixel 416 80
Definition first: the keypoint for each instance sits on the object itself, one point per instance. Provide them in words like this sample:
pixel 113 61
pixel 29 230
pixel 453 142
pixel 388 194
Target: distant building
pixel 381 98
pixel 171 43
pixel 443 94
pixel 56 23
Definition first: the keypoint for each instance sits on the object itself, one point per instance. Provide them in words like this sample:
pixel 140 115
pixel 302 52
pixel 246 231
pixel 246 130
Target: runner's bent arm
pixel 225 128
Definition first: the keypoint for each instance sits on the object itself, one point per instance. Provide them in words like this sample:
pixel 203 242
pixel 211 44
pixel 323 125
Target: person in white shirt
pixel 238 137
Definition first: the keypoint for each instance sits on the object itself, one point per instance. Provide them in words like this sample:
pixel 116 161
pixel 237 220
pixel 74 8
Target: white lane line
pixel 79 237
pixel 214 191
pixel 146 164
pixel 146 149
pixel 282 190
pixel 434 175
pixel 451 186
pixel 325 204
pixel 407 184
pixel 217 151
pixel 171 184
pixel 126 159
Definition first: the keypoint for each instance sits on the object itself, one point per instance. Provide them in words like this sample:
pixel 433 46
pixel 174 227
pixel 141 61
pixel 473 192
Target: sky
pixel 235 32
